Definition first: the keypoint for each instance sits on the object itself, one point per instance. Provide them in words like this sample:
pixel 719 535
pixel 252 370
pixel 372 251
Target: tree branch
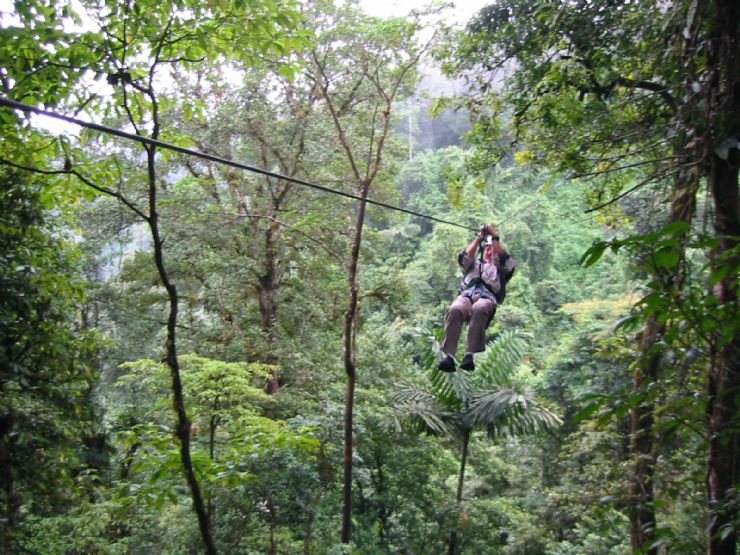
pixel 628 166
pixel 85 180
pixel 323 245
pixel 620 196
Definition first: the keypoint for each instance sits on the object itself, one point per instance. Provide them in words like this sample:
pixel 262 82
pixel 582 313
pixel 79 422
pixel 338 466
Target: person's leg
pixel 482 312
pixel 458 313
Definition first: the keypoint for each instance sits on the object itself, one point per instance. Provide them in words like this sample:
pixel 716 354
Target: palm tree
pixel 490 399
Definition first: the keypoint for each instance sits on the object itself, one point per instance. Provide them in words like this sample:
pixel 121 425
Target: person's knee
pixel 455 313
pixel 481 311
pixel 480 308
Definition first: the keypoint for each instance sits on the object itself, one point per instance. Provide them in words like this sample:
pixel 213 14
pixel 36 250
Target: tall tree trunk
pixel 723 383
pixel 350 317
pixel 460 486
pixel 267 285
pixel 642 442
pixel 10 506
pixel 380 491
pixel 212 428
pixel 723 463
pixel 364 169
pixel 182 430
pixel 647 373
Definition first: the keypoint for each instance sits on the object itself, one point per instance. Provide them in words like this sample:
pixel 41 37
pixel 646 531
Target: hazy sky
pixel 460 13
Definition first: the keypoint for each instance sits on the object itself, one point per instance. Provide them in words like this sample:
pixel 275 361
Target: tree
pixel 270 230
pixel 490 399
pixel 359 95
pixel 717 133
pixel 610 92
pixel 45 361
pixel 240 450
pixel 129 47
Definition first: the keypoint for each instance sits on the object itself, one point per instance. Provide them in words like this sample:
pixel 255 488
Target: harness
pixel 477 286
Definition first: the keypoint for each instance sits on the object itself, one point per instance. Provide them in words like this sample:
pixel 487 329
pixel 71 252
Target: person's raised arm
pixel 486 229
pixel 473 246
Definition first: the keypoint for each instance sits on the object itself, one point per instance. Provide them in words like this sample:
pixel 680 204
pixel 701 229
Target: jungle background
pixel 201 358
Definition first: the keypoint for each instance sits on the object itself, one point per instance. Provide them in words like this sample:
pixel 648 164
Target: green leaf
pixel 676 228
pixel 719 274
pixel 667 258
pixel 726 530
pixel 588 410
pixel 593 254
pixel 438 104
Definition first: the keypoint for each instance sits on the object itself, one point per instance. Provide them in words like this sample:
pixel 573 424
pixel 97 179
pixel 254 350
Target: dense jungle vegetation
pixel 200 358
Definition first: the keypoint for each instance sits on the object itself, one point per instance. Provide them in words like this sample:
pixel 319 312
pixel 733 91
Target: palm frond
pixel 501 358
pixel 508 411
pixel 423 407
pixel 443 387
pixel 453 390
pixel 488 398
pixel 430 348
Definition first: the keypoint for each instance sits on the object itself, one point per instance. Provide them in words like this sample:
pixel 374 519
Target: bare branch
pixel 323 85
pixel 85 180
pixel 661 90
pixel 630 135
pixel 623 155
pixel 323 245
pixel 620 196
pixel 628 166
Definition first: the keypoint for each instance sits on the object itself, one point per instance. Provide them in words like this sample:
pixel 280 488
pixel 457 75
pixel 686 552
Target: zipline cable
pixel 190 152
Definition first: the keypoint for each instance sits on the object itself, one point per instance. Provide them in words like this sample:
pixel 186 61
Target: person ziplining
pixel 482 289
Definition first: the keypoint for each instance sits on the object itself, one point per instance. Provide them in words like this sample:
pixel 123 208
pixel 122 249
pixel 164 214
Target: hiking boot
pixel 467 362
pixel 447 364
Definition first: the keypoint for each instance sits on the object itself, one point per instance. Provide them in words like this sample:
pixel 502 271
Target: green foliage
pixel 234 445
pixel 259 267
pixel 490 398
pixel 589 110
pixel 45 376
pixel 600 90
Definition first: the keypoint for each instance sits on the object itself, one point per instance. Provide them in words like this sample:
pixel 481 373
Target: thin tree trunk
pixel 723 384
pixel 9 510
pixel 723 464
pixel 643 449
pixel 182 430
pixel 128 460
pixel 273 525
pixel 380 490
pixel 647 373
pixel 460 486
pixel 212 427
pixel 363 180
pixel 308 536
pixel 350 317
pixel 642 443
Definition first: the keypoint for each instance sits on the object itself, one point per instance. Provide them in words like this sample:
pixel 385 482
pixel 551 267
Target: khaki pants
pixel 478 312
